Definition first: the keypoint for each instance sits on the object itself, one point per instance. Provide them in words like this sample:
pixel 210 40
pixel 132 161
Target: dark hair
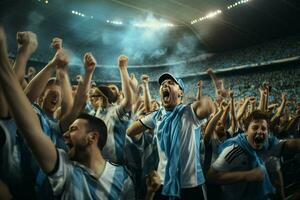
pixel 256 115
pixel 98 125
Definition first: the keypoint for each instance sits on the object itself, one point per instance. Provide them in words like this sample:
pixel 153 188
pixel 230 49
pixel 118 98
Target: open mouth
pixel 259 139
pixel 166 95
pixel 69 145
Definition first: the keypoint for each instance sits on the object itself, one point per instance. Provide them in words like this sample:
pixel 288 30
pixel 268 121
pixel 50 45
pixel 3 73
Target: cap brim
pixel 166 76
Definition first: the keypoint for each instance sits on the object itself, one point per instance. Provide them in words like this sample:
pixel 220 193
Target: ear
pixel 180 94
pixel 92 137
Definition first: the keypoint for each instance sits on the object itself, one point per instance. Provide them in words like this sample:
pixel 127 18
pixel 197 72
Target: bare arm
pixel 199 91
pixel 212 124
pixel 127 101
pixel 67 97
pixel 82 92
pixel 203 108
pixel 229 177
pixel 37 85
pixel 242 110
pixel 27 44
pixel 63 77
pixel 41 146
pixel 252 103
pixel 147 96
pixel 135 129
pixel 280 110
pixel 262 99
pixel 233 120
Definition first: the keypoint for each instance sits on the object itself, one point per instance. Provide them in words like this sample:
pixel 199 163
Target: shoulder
pixel 232 157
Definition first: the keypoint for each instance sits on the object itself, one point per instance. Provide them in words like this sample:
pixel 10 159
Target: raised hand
pixel 123 61
pixel 145 78
pixel 231 93
pixel 252 100
pixel 283 96
pixel 89 62
pixel 134 83
pixel 209 71
pixel 199 84
pixel 61 58
pixel 56 43
pixel 27 42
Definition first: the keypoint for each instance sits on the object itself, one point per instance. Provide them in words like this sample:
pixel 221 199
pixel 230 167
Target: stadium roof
pixel 86 23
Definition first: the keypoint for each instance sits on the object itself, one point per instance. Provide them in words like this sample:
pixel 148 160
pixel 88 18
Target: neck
pixel 49 113
pixel 93 160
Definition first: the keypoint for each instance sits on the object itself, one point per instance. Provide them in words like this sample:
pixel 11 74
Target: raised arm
pixel 82 92
pixel 127 101
pixel 242 109
pixel 27 44
pixel 233 119
pixel 147 96
pixel 262 99
pixel 280 110
pixel 212 124
pixel 199 90
pixel 25 117
pixel 252 101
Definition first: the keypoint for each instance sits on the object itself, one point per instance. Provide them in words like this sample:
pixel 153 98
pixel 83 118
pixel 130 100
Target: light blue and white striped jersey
pixel 142 158
pixel 117 121
pixel 190 141
pixel 74 181
pixel 16 162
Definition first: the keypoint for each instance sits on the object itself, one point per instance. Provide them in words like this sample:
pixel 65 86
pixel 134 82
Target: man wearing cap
pixel 176 129
pixel 116 117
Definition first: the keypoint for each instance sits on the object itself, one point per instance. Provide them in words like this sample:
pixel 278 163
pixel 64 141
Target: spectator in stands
pixel 240 166
pixel 179 122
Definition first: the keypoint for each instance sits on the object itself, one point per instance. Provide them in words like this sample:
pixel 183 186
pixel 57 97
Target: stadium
pixel 238 57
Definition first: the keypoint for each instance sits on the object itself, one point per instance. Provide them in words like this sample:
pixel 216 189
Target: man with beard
pixel 80 174
pixel 241 165
pixel 176 129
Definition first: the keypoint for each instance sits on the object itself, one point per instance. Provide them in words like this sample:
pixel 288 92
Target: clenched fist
pixel 123 60
pixel 199 84
pixel 145 78
pixel 61 58
pixel 27 42
pixel 56 43
pixel 89 62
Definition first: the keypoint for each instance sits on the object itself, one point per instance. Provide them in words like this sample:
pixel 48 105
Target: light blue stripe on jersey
pixel 200 176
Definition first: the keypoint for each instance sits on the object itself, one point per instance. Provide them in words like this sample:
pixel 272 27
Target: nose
pixel 66 135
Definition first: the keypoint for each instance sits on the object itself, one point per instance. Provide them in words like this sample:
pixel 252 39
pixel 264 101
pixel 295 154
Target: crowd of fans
pixel 218 138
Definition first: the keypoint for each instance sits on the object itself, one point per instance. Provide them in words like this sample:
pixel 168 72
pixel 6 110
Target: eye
pixel 263 128
pixel 255 127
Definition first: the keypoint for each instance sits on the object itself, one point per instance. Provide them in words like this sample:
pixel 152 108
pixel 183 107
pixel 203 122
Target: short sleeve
pixel 231 158
pixel 58 177
pixel 149 120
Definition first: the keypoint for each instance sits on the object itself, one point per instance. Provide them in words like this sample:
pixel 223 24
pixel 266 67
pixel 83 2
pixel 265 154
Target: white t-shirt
pixel 190 140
